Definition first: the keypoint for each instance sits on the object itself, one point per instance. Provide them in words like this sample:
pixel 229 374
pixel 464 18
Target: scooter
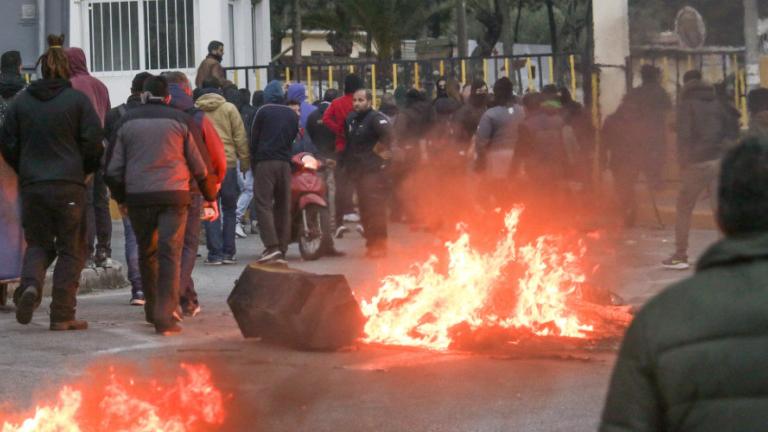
pixel 311 220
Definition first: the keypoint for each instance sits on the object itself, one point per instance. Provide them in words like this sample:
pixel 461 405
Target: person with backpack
pixel 52 138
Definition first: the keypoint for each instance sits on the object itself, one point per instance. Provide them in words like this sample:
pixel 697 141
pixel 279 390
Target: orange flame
pixel 420 309
pixel 127 406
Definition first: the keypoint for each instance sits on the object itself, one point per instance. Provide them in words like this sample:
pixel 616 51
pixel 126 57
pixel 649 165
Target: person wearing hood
pixel 212 150
pixel 11 81
pixel 497 133
pixel 211 66
pixel 468 116
pixel 220 234
pixel 99 220
pixel 298 93
pixel 272 133
pixel 335 118
pixel 702 131
pixel 52 138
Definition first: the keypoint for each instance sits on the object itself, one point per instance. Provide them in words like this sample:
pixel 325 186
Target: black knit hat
pixel 352 83
pixel 137 85
pixel 10 62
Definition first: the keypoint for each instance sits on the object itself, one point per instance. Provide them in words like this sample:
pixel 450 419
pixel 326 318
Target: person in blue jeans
pixel 132 262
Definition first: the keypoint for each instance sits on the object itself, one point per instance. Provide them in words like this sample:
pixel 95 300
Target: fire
pixel 421 308
pixel 192 403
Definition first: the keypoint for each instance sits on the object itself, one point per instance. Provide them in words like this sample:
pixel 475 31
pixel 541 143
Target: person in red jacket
pixel 335 119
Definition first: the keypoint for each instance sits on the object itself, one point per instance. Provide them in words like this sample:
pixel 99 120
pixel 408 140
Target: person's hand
pixel 330 163
pixel 123 210
pixel 210 211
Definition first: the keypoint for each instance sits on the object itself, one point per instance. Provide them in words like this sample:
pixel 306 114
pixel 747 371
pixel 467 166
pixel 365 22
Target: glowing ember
pixel 421 308
pixel 193 403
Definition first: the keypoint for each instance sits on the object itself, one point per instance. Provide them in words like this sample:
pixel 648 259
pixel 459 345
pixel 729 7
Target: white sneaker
pixel 240 232
pixel 360 230
pixel 352 218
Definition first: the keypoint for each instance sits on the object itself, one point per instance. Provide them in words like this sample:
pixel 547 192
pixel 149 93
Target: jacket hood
pixel 297 92
pixel 210 102
pixel 179 99
pixel 77 63
pixel 10 84
pixel 273 93
pixel 698 90
pixel 45 90
pixel 733 250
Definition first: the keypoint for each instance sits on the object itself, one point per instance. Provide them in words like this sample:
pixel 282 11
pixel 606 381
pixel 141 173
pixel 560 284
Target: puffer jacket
pixel 694 357
pixel 229 124
pixel 702 124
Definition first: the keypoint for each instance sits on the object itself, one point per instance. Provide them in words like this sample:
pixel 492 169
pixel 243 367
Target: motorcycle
pixel 311 220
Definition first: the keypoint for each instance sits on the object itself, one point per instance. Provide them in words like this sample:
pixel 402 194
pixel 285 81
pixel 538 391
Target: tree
pixel 297 32
pixel 489 14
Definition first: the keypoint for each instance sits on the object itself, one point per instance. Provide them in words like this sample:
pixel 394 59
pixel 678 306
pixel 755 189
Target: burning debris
pixel 513 295
pixel 125 404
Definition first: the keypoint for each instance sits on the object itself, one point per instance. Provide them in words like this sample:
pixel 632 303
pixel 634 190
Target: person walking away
pixel 619 138
pixel 693 358
pixel 11 233
pixel 335 118
pixel 99 219
pixel 702 129
pixel 211 66
pixel 149 170
pixel 274 129
pixel 298 93
pixel 212 150
pixel 220 234
pixel 51 138
pixel 367 154
pixel 111 124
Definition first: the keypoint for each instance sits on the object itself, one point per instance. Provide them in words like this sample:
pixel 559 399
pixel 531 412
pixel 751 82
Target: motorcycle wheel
pixel 314 232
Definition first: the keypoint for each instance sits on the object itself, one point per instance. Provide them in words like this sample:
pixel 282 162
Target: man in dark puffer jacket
pixel 694 358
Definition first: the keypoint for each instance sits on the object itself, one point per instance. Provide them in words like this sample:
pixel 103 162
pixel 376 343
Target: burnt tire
pixel 314 232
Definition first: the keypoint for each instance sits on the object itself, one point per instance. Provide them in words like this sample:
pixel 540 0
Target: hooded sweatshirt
pixel 702 124
pixel 82 80
pixel 298 92
pixel 52 133
pixel 274 129
pixel 229 125
pixel 11 81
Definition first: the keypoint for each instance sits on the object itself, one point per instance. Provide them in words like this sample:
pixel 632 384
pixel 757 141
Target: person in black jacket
pixel 368 151
pixel 273 130
pixel 52 139
pixel 703 129
pixel 694 357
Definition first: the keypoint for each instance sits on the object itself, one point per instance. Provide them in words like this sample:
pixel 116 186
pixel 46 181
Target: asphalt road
pixel 367 388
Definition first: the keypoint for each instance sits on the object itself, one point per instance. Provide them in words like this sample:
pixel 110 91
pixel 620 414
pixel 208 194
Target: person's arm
pixel 240 138
pixel 483 136
pixel 332 121
pixel 90 137
pixel 633 403
pixel 258 119
pixel 197 166
pixel 10 140
pixel 218 71
pixel 114 175
pixel 215 149
pixel 383 128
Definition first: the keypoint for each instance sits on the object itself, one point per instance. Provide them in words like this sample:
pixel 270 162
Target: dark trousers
pixel 272 195
pixel 99 220
pixel 345 191
pixel 52 216
pixel 160 234
pixel 132 257
pixel 189 252
pixel 373 198
pixel 220 234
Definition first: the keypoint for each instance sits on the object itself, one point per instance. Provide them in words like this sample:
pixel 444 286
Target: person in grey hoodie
pixel 497 133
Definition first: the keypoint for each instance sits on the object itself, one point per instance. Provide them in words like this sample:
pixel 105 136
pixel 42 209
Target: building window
pixel 132 35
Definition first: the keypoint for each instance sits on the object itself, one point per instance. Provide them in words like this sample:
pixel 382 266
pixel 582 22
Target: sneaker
pixel 171 330
pixel 102 259
pixel 229 260
pixel 213 262
pixel 352 217
pixel 270 254
pixel 192 310
pixel 240 232
pixel 90 263
pixel 69 325
pixel 254 227
pixel 676 262
pixel 137 299
pixel 340 231
pixel 360 230
pixel 26 305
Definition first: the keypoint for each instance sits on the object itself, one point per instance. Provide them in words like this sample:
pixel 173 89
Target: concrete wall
pixel 20 34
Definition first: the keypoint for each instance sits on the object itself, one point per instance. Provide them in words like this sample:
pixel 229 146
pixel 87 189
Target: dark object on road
pixel 301 310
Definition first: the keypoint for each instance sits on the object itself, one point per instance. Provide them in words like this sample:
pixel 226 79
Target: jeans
pixel 272 193
pixel 52 216
pixel 373 196
pixel 345 191
pixel 220 236
pixel 99 220
pixel 189 252
pixel 329 177
pixel 245 183
pixel 160 234
pixel 132 256
pixel 696 178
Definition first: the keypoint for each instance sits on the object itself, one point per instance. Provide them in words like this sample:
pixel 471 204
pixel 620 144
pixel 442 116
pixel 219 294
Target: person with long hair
pixel 52 138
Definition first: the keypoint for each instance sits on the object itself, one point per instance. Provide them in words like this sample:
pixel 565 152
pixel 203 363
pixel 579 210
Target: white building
pixel 124 37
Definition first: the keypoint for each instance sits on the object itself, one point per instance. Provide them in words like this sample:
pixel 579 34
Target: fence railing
pixel 527 72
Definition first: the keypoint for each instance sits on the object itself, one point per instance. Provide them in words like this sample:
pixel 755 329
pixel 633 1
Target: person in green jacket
pixel 694 357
